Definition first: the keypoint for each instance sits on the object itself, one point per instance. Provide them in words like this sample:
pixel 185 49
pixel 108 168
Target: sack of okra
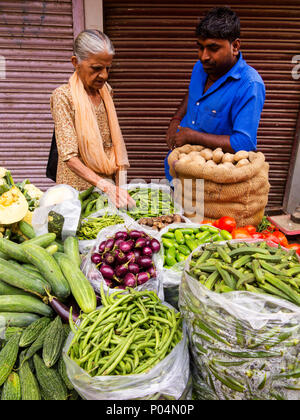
pixel 134 347
pixel 241 303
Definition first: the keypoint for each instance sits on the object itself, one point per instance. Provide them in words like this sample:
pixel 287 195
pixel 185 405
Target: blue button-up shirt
pixel 231 106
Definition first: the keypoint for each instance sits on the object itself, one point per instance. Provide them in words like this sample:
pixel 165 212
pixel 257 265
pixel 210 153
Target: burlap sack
pixel 241 193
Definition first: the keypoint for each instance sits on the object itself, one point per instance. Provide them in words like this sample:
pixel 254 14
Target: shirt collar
pixel 236 70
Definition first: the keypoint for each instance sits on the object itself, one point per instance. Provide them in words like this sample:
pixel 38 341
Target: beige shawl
pixel 88 133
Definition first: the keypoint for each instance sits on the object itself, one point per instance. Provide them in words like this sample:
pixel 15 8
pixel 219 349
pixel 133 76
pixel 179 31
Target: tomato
pixel 216 223
pixel 258 235
pixel 207 222
pixel 271 237
pixel 296 247
pixel 251 229
pixel 282 238
pixel 240 233
pixel 227 223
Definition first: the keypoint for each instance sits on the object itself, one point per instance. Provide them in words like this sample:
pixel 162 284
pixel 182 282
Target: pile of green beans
pixel 91 202
pixel 90 227
pixel 151 203
pixel 252 267
pixel 129 334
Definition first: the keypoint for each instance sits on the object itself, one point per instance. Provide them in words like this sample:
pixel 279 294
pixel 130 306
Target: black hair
pixel 220 23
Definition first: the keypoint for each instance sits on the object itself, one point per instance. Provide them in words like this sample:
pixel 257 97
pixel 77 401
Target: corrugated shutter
pixel 36 39
pixel 156 51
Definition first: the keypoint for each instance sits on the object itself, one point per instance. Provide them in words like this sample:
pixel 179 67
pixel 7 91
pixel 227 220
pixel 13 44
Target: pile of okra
pixel 129 334
pixel 252 267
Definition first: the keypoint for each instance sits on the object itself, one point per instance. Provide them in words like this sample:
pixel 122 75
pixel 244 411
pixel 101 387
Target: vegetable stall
pixel 100 303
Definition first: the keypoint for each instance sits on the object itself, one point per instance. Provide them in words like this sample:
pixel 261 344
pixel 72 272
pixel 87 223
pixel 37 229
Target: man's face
pixel 217 55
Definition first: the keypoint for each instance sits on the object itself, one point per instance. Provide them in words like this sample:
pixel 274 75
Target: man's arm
pixel 175 121
pixel 246 114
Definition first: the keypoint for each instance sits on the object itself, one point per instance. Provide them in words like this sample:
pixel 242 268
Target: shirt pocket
pixel 212 121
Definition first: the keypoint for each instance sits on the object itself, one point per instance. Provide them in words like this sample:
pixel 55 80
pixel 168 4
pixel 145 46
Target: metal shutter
pixel 156 51
pixel 36 39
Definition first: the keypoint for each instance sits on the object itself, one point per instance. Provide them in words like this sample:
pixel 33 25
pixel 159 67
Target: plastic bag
pixel 169 379
pixel 95 277
pixel 61 199
pixel 243 346
pixel 172 276
pixel 153 186
pixel 86 245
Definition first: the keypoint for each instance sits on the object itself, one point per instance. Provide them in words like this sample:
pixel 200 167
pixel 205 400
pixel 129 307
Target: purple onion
pixel 121 235
pixel 109 258
pixel 126 246
pixel 107 272
pixel 102 247
pixel 121 257
pixel 130 280
pixel 131 257
pixel 143 278
pixel 155 245
pixel 141 243
pixel 152 272
pixel 147 251
pixel 135 234
pixel 145 262
pixel 133 268
pixel 96 258
pixel 121 270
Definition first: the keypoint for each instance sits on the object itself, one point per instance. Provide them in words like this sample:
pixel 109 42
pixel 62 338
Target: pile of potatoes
pixel 217 158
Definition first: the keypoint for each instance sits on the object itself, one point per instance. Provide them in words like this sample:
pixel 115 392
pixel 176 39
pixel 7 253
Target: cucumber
pixel 12 388
pixel 51 384
pixel 13 250
pixel 6 289
pixel 27 229
pixel 31 333
pixel 14 277
pixel 71 249
pixel 48 268
pixel 17 319
pixel 8 357
pixel 25 304
pixel 43 240
pixel 52 249
pixel 53 343
pixel 30 390
pixel 32 272
pixel 81 288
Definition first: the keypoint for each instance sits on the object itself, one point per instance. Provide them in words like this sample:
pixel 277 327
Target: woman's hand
pixel 171 133
pixel 118 196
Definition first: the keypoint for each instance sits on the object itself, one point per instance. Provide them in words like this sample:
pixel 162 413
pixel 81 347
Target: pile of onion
pixel 126 260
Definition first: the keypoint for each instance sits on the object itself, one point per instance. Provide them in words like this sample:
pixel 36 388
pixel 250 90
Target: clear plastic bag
pixel 95 277
pixel 67 205
pixel 169 379
pixel 243 345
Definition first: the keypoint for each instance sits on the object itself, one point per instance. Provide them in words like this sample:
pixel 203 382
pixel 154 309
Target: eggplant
pixel 135 234
pixel 141 243
pixel 96 258
pixel 145 262
pixel 63 310
pixel 147 251
pixel 130 280
pixel 121 270
pixel 107 271
pixel 143 278
pixel 155 245
pixel 121 257
pixel 121 235
pixel 133 268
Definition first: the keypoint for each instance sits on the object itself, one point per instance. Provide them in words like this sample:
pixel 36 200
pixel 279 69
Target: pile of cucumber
pixel 31 363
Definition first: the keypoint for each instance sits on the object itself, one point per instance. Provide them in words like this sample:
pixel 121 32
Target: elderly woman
pixel 91 149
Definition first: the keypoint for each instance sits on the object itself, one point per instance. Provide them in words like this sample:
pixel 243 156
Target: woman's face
pixel 94 71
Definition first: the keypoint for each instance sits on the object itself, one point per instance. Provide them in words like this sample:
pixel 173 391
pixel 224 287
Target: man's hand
pixel 170 138
pixel 184 136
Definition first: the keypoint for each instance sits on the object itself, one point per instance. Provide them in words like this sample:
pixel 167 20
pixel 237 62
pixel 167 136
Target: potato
pixel 228 165
pixel 242 154
pixel 210 163
pixel 207 154
pixel 199 160
pixel 252 156
pixel 242 162
pixel 218 155
pixel 194 155
pixel 228 157
pixel 182 155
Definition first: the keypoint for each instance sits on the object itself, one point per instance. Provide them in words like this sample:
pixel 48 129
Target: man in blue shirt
pixel 226 96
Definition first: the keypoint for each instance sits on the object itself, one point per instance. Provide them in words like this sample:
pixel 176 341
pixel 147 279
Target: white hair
pixel 92 42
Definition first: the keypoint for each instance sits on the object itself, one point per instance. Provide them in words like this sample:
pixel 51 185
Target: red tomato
pixel 251 229
pixel 240 233
pixel 282 238
pixel 216 223
pixel 296 247
pixel 258 235
pixel 207 222
pixel 227 223
pixel 271 237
